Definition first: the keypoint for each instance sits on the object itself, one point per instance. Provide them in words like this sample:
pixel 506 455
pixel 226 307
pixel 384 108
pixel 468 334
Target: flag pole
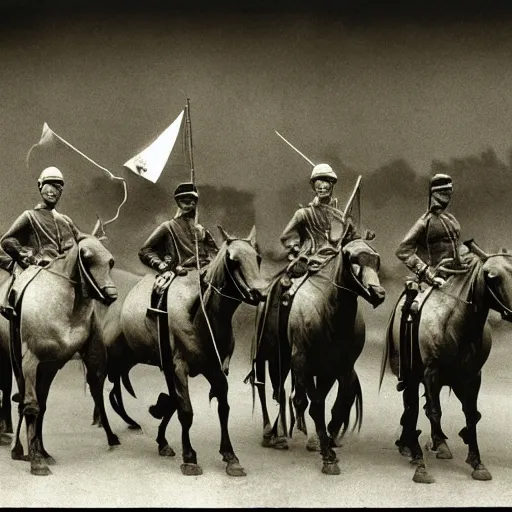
pixel 196 242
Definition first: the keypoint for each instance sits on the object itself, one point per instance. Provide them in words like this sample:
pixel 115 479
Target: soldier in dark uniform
pixel 171 247
pixel 40 235
pixel 435 235
pixel 317 228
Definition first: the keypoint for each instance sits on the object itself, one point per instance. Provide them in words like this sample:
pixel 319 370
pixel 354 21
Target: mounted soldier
pixel 171 249
pixel 431 250
pixel 40 235
pixel 312 235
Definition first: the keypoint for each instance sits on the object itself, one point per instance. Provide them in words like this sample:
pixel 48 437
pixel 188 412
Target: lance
pixel 294 148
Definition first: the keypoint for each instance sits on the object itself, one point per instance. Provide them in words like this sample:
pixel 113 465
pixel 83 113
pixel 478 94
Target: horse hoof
pixel 443 452
pixel 19 455
pixel 166 451
pixel 114 441
pixel 278 443
pixel 313 445
pixel 189 469
pixel 405 451
pixel 50 461
pixel 136 426
pixel 40 470
pixel 422 476
pixel 331 468
pixel 481 473
pixel 235 469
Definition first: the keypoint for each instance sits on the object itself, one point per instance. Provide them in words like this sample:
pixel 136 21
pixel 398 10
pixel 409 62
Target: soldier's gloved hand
pixel 293 252
pixel 163 266
pixel 180 271
pixel 429 276
pixel 28 260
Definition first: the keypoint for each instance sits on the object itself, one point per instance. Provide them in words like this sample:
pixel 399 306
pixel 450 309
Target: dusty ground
pixel 373 474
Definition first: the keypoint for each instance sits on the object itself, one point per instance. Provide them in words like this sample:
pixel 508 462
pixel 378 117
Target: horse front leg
pixel 259 378
pixel 31 413
pixel 219 390
pixel 317 394
pixel 433 411
pixel 468 395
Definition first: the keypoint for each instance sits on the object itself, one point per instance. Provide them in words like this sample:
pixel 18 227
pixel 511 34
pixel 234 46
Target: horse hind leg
pixel 468 395
pixel 408 444
pixel 433 411
pixel 164 409
pixel 94 359
pixel 317 395
pixel 46 374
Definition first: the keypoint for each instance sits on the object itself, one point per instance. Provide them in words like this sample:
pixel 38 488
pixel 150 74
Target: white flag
pixel 150 162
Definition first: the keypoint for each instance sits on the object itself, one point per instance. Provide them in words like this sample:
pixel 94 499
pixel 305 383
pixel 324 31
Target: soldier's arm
pixel 153 248
pixel 291 236
pixel 351 233
pixel 407 250
pixel 16 237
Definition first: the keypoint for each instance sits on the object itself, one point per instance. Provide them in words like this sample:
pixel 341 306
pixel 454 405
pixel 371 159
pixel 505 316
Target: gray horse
pixel 454 342
pixel 57 321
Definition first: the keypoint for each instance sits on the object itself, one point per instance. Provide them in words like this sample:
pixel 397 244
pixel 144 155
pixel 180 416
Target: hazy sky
pixel 363 92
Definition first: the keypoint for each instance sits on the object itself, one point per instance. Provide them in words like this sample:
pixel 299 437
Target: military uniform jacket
pixel 316 226
pixel 174 242
pixel 432 238
pixel 45 232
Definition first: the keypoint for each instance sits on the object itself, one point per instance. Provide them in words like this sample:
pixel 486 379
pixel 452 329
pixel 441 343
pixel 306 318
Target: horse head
pixel 242 262
pixel 497 270
pixel 95 263
pixel 361 271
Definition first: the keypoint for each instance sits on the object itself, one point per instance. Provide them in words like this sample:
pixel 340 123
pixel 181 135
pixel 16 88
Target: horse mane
pixel 215 273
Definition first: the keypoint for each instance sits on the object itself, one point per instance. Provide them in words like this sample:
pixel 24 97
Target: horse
pixel 5 379
pixel 201 339
pixel 57 321
pixel 453 343
pixel 319 338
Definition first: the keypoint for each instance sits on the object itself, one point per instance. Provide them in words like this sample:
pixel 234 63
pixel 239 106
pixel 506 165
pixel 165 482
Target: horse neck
pixel 68 268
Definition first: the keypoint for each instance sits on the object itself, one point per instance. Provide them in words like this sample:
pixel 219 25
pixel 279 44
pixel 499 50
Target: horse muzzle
pixel 109 294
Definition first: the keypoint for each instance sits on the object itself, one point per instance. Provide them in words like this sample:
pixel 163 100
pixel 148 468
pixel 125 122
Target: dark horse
pixel 320 343
pixel 57 321
pixel 454 341
pixel 232 277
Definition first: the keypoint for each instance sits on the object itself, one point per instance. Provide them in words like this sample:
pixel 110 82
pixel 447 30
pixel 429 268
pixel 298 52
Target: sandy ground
pixel 373 474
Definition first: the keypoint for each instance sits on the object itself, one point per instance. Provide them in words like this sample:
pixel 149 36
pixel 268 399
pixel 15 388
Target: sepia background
pixel 384 90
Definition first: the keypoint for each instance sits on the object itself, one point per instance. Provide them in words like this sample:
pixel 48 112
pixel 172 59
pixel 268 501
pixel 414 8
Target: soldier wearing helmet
pixel 171 247
pixel 40 235
pixel 316 226
pixel 435 235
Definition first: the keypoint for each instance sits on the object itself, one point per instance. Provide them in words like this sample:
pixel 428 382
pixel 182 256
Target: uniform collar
pixel 42 206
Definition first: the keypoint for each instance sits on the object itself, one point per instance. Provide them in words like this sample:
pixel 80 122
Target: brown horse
pixel 232 277
pixel 320 343
pixel 454 341
pixel 56 322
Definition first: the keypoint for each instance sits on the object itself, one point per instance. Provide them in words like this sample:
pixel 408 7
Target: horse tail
pixel 353 395
pixel 116 400
pixel 125 378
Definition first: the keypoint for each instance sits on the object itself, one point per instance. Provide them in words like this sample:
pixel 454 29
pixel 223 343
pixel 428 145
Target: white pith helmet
pixel 323 171
pixel 50 174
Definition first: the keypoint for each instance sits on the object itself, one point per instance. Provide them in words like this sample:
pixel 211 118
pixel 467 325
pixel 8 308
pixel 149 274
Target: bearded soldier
pixel 171 247
pixel 40 235
pixel 315 230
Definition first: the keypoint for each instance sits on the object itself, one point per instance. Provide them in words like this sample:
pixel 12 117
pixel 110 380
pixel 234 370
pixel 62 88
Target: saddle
pixel 410 316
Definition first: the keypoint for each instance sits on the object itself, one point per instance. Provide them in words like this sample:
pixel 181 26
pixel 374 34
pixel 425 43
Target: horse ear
pixel 252 237
pixel 226 237
pixel 86 253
